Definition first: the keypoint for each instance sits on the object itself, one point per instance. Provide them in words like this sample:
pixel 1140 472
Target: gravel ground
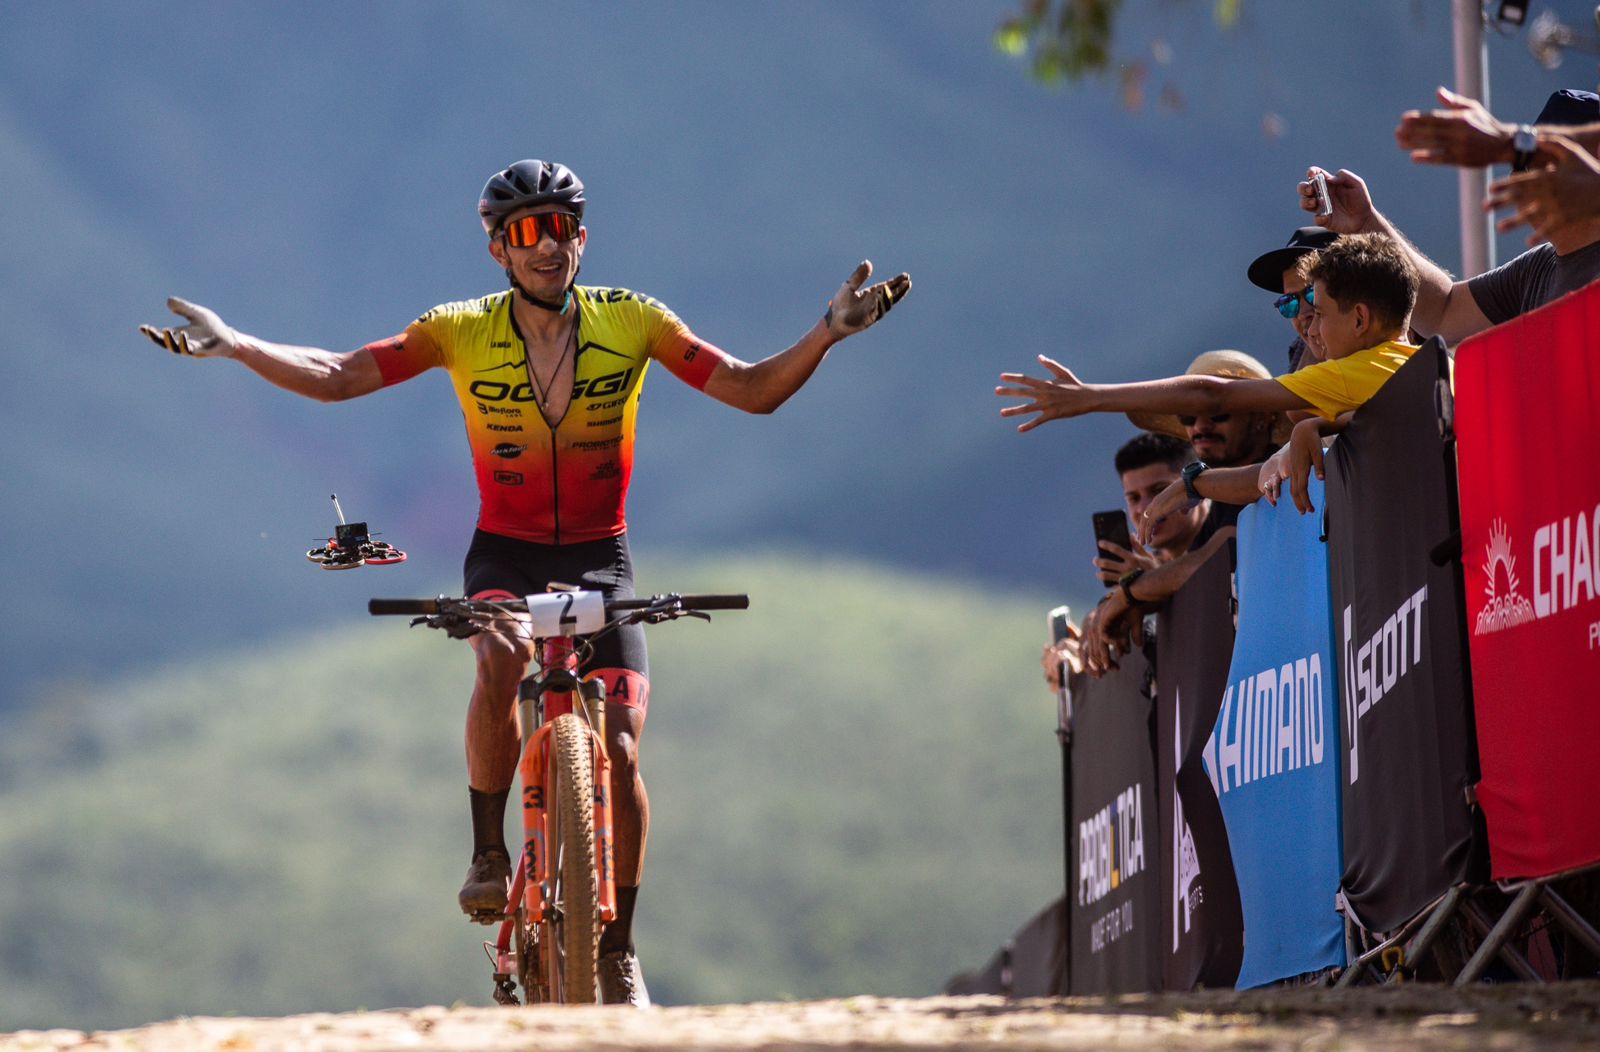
pixel 1560 1016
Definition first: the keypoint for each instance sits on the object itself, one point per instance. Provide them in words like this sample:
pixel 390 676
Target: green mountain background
pixel 855 788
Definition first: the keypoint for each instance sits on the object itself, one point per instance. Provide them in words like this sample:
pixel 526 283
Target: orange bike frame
pixel 533 868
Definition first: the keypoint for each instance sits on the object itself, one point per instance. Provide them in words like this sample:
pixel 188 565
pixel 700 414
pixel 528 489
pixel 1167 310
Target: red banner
pixel 1529 455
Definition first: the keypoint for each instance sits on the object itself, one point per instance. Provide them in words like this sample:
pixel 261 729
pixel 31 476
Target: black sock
pixel 488 821
pixel 618 936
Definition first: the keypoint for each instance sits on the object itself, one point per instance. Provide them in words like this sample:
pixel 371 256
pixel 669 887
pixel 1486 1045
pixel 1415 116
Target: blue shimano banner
pixel 1273 756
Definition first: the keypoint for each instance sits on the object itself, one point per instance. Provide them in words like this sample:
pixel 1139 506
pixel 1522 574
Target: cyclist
pixel 548 374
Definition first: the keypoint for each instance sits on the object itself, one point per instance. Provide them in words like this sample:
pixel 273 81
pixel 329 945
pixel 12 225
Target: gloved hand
pixel 853 308
pixel 206 335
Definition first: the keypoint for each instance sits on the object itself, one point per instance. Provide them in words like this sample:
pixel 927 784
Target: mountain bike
pixel 563 889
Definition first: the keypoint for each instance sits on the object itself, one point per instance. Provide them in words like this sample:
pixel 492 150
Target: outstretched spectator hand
pixel 1055 399
pixel 1294 464
pixel 1464 134
pixel 1121 561
pixel 1547 199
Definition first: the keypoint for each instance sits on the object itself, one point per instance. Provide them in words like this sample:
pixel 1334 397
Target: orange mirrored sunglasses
pixel 524 232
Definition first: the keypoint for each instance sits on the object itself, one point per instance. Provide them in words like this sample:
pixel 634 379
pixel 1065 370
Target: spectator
pixel 1146 465
pixel 1363 288
pixel 1279 271
pixel 1468 135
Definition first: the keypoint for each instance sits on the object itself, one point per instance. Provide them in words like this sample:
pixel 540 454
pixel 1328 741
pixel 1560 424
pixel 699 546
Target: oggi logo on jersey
pixel 609 384
pixel 495 391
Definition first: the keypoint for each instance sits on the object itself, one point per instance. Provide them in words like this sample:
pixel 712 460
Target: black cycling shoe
pixel 488 887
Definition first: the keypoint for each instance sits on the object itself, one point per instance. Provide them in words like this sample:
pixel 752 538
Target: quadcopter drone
pixel 351 546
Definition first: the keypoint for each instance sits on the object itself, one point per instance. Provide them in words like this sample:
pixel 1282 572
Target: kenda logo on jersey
pixel 1374 666
pixel 1564 565
pixel 1270 723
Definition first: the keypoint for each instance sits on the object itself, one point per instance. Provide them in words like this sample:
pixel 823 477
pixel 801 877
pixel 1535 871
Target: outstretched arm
pixel 761 387
pixel 308 371
pixel 1467 135
pixel 1067 396
pixel 1546 199
pixel 1445 307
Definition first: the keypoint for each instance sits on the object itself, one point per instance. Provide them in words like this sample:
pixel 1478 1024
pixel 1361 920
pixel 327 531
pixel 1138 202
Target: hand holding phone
pixel 1319 186
pixel 1111 527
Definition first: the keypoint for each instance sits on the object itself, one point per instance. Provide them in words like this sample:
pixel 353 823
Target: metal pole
pixel 1472 80
pixel 1063 977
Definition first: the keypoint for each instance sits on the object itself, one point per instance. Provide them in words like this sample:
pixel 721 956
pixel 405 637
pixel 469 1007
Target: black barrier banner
pixel 1202 941
pixel 1114 832
pixel 1032 963
pixel 1409 752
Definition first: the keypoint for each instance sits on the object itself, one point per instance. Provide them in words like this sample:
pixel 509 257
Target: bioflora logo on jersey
pixel 1110 846
pixel 1565 570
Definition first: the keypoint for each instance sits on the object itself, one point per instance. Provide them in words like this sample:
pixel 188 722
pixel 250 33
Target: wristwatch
pixel 1524 144
pixel 1126 581
pixel 1191 471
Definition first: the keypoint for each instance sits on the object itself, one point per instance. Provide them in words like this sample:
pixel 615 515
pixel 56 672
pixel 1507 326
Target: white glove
pixel 853 308
pixel 206 336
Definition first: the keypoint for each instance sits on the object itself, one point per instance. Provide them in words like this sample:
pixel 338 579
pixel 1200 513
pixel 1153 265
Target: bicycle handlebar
pixel 429 607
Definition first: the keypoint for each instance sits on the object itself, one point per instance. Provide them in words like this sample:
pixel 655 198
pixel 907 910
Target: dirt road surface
pixel 1560 1016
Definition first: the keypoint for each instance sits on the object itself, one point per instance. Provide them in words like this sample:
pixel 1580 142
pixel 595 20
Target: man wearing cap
pixel 1278 271
pixel 1467 134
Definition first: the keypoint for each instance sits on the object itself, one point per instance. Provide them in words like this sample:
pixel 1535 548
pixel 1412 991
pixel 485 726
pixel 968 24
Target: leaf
pixel 1011 39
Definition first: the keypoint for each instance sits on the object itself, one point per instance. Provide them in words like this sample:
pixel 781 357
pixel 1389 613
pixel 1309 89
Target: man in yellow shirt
pixel 1363 288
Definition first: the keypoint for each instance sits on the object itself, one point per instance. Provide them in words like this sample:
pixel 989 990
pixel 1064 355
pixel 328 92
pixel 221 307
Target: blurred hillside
pixel 855 789
pixel 310 171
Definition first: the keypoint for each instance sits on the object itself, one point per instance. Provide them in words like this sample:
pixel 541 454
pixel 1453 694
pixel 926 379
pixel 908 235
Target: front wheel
pixel 570 934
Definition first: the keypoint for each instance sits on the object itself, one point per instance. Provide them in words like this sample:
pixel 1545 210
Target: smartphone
pixel 1112 527
pixel 1319 183
pixel 1058 631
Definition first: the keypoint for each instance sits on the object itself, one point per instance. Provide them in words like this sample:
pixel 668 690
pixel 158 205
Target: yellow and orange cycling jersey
pixel 550 485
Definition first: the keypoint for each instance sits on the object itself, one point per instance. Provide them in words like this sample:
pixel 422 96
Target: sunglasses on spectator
pixel 1220 418
pixel 1289 303
pixel 524 232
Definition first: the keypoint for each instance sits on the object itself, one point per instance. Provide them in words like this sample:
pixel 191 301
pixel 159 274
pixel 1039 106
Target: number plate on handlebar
pixel 566 613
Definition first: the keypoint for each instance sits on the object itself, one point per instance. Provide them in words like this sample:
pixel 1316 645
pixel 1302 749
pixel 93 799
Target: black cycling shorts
pixel 499 563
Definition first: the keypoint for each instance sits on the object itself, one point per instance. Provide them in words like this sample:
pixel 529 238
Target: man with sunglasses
pixel 1279 271
pixel 548 376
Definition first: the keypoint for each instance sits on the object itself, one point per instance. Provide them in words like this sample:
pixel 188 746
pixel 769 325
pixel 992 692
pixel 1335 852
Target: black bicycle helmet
pixel 525 184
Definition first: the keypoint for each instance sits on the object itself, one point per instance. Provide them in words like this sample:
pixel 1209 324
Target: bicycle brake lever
pixel 454 625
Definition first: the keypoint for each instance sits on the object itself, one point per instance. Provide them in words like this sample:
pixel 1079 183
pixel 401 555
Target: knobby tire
pixel 570 936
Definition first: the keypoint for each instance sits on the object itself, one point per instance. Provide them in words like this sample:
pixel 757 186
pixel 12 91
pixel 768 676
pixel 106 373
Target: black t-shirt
pixel 1533 279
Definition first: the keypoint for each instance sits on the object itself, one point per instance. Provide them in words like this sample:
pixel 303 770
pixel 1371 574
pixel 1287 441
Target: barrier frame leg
pixel 1430 922
pixel 1570 919
pixel 1494 942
